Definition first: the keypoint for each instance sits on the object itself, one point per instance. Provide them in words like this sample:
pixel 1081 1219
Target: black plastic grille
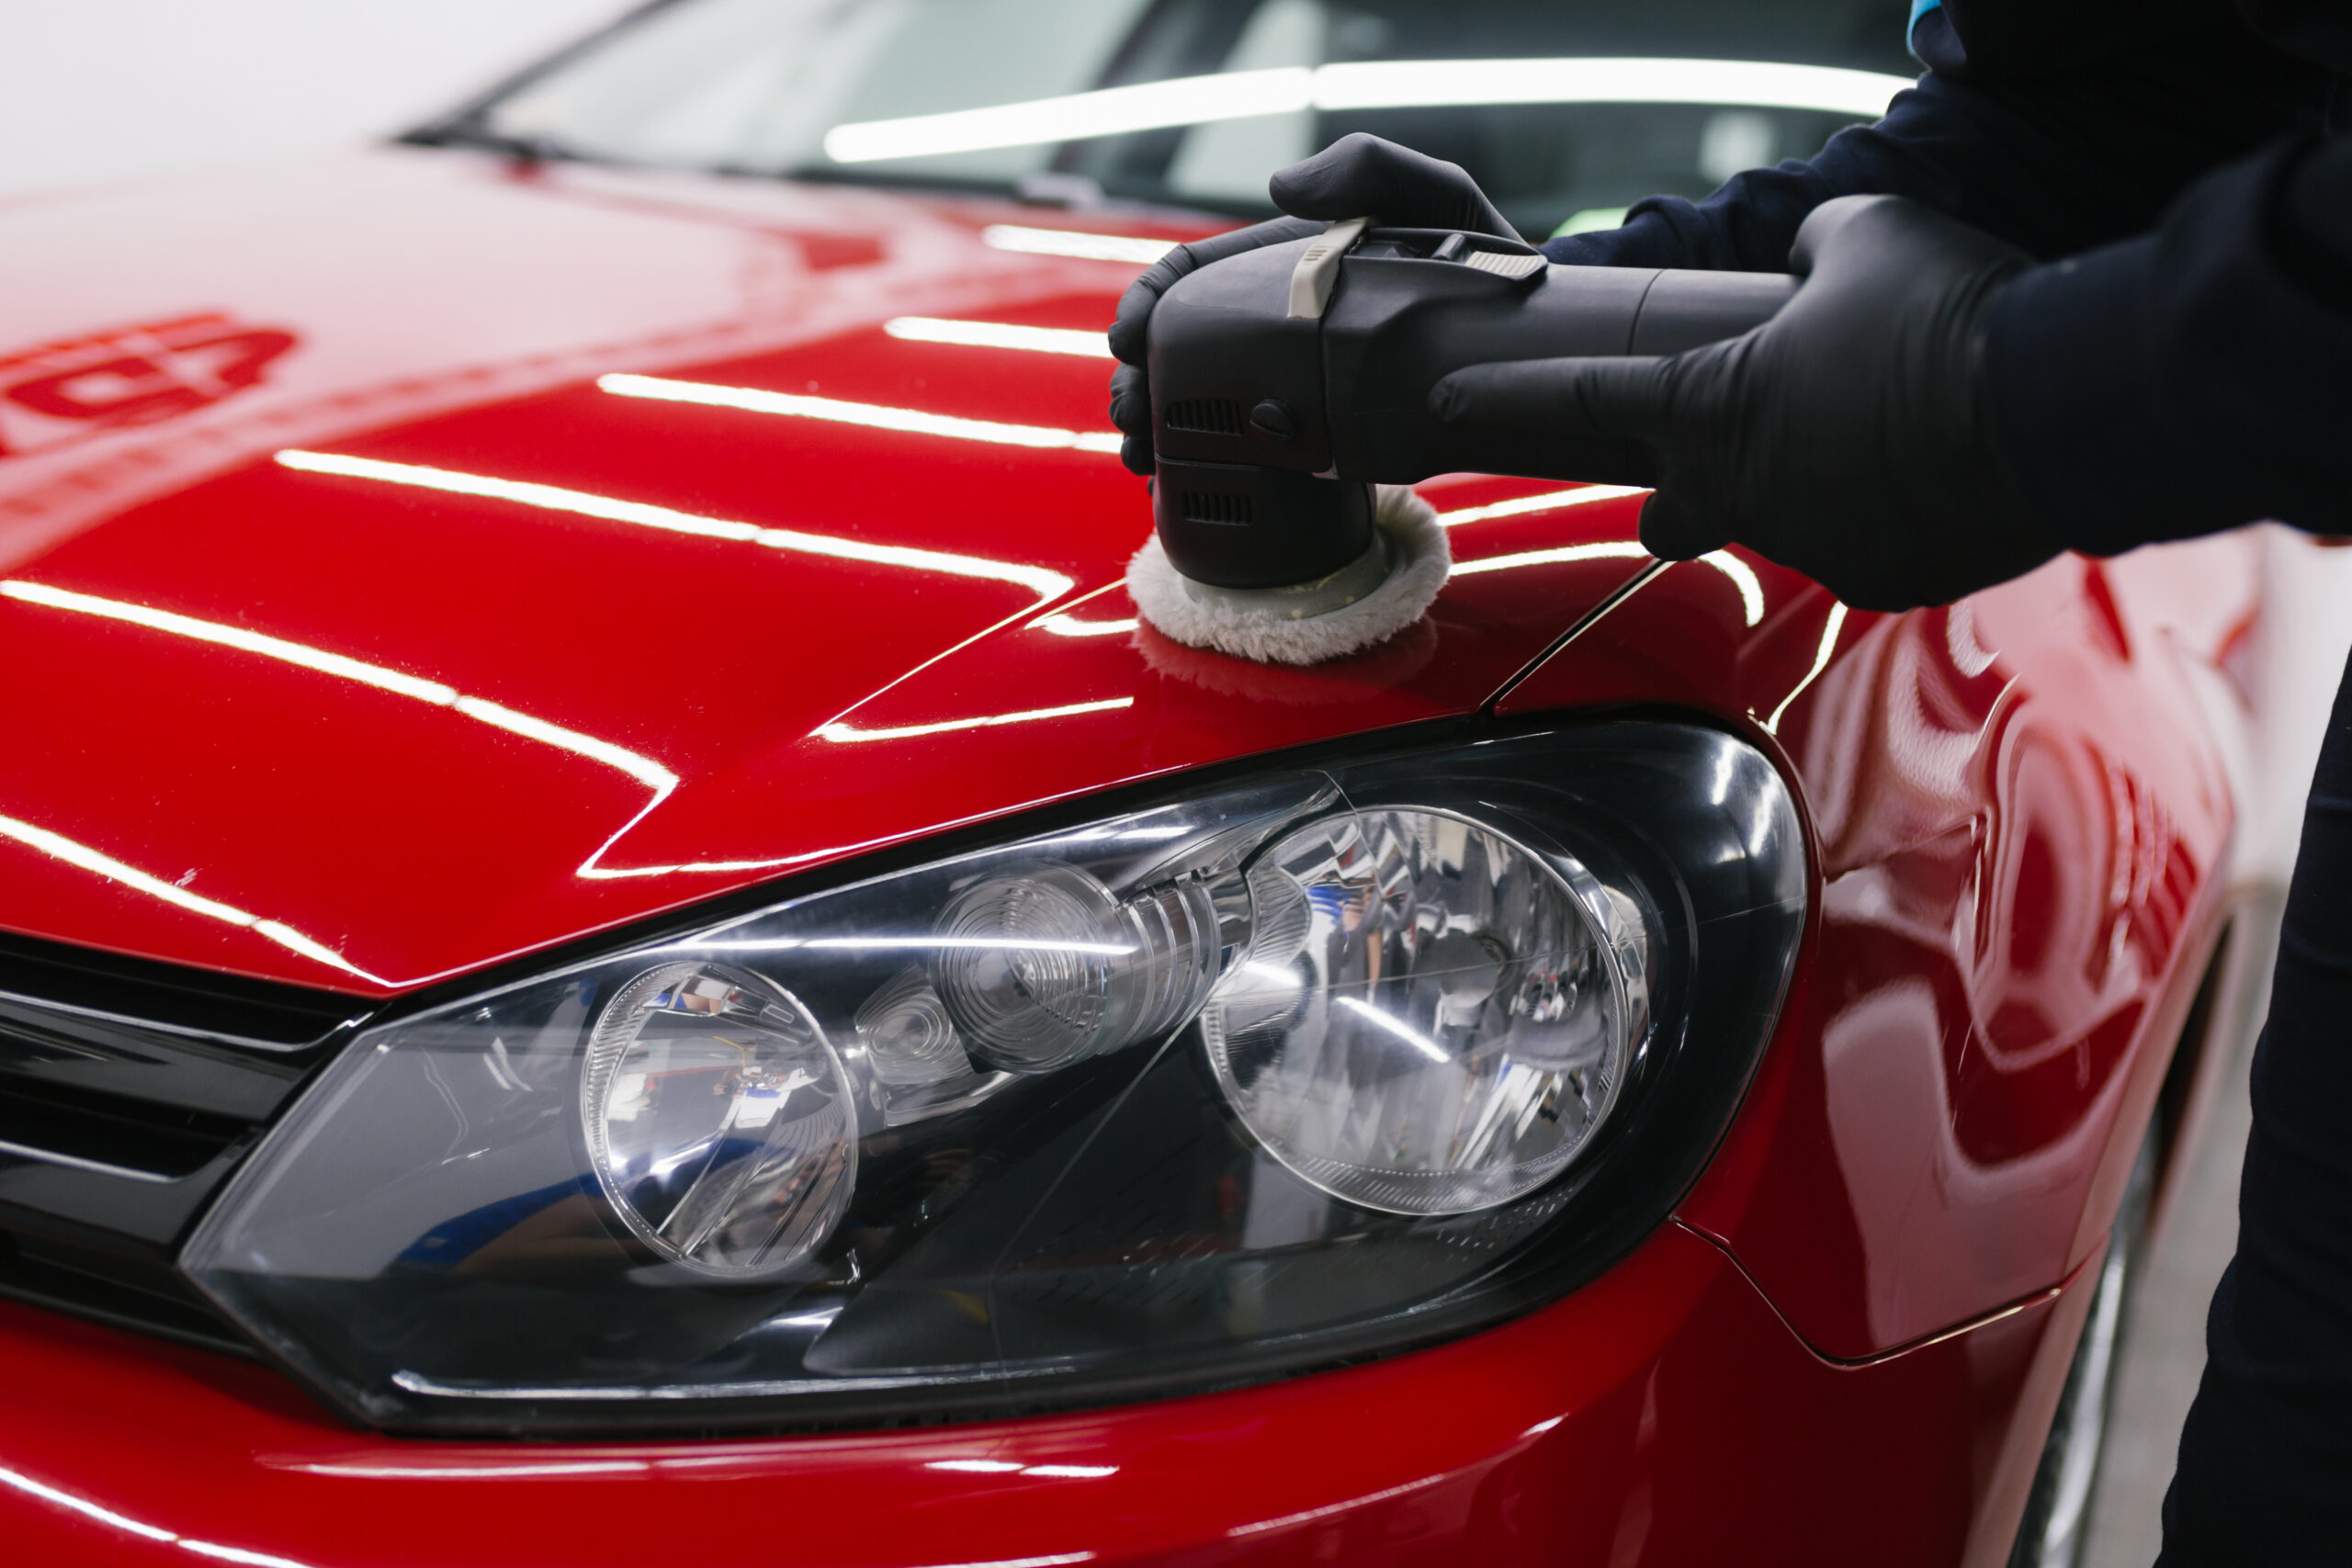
pixel 1213 506
pixel 129 1092
pixel 1206 416
pixel 114 1129
pixel 167 995
pixel 125 1292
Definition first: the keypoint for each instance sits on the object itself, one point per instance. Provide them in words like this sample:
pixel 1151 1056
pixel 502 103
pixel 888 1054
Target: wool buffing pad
pixel 1300 625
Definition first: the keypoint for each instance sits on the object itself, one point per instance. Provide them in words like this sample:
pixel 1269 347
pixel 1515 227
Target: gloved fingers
pixel 1626 399
pixel 1128 328
pixel 1233 241
pixel 1133 319
pixel 1130 413
pixel 1673 529
pixel 1360 175
pixel 1135 451
pixel 1131 401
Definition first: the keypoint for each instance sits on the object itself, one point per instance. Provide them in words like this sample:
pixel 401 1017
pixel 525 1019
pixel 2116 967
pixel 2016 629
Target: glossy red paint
pixel 2019 821
pixel 620 555
pixel 438 647
pixel 1663 1417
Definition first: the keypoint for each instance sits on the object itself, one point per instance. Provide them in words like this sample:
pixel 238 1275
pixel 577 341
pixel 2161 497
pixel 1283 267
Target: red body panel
pixel 2021 819
pixel 567 720
pixel 351 721
pixel 1663 1416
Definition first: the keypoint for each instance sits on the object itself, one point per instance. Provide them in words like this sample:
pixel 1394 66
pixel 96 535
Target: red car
pixel 618 948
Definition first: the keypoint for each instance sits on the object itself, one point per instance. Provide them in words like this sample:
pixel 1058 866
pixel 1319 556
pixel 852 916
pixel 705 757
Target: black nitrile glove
pixel 1847 437
pixel 1356 176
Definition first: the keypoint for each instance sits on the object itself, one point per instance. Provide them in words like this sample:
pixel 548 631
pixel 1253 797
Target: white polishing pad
pixel 1253 624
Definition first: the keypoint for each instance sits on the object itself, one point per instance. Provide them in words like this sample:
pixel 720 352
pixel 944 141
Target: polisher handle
pixel 1398 325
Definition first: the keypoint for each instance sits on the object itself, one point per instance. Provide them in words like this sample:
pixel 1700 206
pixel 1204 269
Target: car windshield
pixel 1563 110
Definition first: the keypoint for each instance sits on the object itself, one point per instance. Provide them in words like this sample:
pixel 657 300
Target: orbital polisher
pixel 1290 403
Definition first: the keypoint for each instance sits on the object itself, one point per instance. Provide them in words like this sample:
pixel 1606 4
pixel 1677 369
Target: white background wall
pixel 100 89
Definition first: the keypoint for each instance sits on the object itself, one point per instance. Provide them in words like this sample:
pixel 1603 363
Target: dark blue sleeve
pixel 2196 377
pixel 2058 128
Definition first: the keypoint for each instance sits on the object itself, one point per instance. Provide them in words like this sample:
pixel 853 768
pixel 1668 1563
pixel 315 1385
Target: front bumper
pixel 1663 1415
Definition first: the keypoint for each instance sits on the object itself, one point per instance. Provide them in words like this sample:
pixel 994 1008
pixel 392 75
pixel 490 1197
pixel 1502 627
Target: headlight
pixel 1293 1072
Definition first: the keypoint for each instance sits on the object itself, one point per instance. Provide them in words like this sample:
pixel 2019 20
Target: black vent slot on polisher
pixel 1214 506
pixel 1208 416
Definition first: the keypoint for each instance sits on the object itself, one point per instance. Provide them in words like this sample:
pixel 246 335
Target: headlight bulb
pixel 718 1121
pixel 1044 967
pixel 1433 1019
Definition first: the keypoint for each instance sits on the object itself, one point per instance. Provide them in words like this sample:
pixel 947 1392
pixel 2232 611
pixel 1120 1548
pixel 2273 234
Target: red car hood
pixel 366 621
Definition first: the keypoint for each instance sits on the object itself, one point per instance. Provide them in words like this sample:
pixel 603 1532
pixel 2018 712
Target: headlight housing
pixel 1313 1066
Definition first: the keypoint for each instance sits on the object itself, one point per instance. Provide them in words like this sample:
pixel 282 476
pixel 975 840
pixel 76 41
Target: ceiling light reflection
pixel 480 1472
pixel 1046 584
pixel 1605 549
pixel 873 416
pixel 234 637
pixel 844 733
pixel 1830 632
pixel 83 1506
pixel 1074 243
pixel 108 1516
pixel 237 1554
pixel 1741 575
pixel 644 770
pixel 1399 1028
pixel 57 846
pixel 1070 625
pixel 1745 84
pixel 890 943
pixel 1364 85
pixel 1000 335
pixel 1107 111
pixel 1546 500
pixel 1751 590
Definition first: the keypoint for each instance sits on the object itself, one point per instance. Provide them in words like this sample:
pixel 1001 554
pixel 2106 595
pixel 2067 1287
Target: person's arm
pixel 1932 413
pixel 2054 125
pixel 2194 377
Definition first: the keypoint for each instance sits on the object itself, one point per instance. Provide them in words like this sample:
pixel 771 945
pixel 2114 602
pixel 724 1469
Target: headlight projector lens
pixel 1434 1018
pixel 718 1121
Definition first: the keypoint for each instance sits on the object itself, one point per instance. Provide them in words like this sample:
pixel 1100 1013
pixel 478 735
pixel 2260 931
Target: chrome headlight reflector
pixel 1280 1074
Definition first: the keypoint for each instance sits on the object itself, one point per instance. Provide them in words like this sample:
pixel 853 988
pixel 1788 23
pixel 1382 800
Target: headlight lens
pixel 1291 1072
pixel 718 1121
pixel 1442 1024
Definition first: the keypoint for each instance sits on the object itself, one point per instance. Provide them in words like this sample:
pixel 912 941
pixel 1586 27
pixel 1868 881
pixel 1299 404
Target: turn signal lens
pixel 1434 1018
pixel 718 1121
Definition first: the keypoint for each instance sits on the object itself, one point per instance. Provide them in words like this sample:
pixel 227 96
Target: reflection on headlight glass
pixel 1265 1078
pixel 1435 1020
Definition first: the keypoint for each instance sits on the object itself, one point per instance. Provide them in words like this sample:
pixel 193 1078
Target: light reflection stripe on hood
pixel 1039 581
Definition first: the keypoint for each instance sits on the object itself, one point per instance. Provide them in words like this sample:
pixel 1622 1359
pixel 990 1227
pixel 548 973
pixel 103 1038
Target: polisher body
pixel 1285 384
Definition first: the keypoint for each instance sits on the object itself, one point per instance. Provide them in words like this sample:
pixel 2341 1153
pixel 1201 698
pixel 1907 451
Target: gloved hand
pixel 1356 176
pixel 1847 437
